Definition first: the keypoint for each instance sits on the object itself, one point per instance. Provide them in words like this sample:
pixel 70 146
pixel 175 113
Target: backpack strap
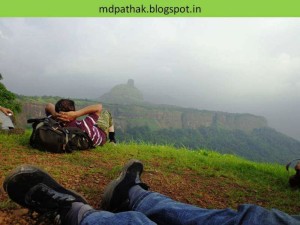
pixel 35 120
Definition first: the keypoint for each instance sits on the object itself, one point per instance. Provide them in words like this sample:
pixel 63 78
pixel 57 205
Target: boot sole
pixel 24 177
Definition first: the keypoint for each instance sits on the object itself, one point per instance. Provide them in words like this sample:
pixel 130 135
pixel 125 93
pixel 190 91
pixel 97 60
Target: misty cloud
pixel 229 64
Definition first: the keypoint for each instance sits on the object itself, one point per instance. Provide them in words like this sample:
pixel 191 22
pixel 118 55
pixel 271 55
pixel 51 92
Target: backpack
pixel 49 135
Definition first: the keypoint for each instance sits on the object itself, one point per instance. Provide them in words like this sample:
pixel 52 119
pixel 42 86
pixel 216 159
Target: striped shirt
pixel 89 126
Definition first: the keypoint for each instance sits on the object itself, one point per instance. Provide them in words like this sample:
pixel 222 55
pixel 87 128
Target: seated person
pixel 126 200
pixel 64 110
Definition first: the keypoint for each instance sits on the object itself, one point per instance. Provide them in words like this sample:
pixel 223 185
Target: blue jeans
pixel 154 208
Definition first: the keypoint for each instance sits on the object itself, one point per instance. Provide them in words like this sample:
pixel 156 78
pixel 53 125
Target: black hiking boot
pixel 33 188
pixel 115 197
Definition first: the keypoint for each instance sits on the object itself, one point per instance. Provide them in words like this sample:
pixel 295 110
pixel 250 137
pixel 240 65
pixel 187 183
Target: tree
pixel 8 99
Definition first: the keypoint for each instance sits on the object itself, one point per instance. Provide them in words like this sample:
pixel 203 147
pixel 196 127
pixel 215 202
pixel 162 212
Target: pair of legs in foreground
pixel 126 200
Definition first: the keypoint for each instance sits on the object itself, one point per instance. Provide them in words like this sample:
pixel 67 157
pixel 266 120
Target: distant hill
pixel 123 94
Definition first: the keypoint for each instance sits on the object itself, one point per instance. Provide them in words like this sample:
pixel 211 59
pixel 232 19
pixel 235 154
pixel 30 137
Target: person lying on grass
pixel 65 111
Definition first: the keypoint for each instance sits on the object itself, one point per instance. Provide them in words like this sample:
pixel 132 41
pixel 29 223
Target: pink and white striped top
pixel 89 126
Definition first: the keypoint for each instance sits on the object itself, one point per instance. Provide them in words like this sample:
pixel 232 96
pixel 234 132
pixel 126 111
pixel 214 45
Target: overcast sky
pixel 243 65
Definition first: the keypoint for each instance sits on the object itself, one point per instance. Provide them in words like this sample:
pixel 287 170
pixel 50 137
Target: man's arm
pixel 72 115
pixel 6 111
pixel 50 110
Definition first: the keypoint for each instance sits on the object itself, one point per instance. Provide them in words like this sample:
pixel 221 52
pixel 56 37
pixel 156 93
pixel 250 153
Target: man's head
pixel 65 105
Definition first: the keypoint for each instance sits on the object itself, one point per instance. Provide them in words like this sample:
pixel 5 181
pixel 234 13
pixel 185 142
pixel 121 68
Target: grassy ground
pixel 204 178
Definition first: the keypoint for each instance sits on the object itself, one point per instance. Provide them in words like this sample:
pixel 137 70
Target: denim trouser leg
pixel 163 210
pixel 153 208
pixel 108 218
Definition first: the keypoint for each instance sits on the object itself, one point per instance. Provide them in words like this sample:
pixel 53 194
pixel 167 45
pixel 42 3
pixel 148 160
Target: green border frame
pixel 141 8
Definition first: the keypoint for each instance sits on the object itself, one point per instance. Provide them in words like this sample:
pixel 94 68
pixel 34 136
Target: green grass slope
pixel 260 145
pixel 203 178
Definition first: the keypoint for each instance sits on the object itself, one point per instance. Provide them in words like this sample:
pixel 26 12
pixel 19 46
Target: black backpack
pixel 49 135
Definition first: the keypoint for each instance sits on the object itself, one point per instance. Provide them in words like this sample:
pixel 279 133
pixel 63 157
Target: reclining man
pixel 126 200
pixel 64 110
